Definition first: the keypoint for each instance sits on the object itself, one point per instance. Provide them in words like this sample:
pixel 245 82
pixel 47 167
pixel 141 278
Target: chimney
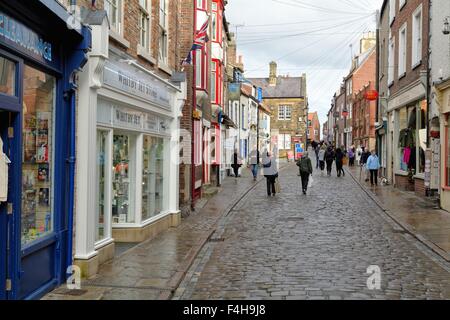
pixel 367 42
pixel 273 74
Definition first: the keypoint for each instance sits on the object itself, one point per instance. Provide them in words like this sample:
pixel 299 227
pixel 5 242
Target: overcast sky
pixel 302 36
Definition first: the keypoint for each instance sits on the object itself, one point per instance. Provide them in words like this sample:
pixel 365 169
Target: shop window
pixel 114 11
pixel 152 177
pixel 422 136
pixel 201 68
pixel 38 152
pixel 7 77
pixel 103 225
pixel 213 91
pixel 391 62
pixel 123 179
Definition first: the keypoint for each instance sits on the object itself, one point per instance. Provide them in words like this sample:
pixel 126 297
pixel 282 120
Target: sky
pixel 315 37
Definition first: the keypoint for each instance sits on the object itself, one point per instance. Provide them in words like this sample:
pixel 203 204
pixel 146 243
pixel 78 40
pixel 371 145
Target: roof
pixel 287 87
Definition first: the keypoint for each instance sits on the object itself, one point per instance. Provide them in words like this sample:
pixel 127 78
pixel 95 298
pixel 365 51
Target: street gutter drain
pixel 217 240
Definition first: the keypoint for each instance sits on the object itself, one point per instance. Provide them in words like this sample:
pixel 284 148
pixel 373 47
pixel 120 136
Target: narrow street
pixel 317 246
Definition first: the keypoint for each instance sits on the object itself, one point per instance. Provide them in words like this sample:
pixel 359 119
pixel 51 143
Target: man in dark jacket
pixel 329 158
pixel 339 162
pixel 305 165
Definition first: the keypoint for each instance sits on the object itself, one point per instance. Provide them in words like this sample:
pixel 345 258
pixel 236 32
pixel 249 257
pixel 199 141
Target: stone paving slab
pixel 417 215
pixel 153 269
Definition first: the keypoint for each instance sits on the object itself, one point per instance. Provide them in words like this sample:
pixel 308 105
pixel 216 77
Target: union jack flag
pixel 188 59
pixel 202 34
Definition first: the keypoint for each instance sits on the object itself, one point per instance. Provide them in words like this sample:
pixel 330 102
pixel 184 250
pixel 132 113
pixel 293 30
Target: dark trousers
pixel 351 162
pixel 322 165
pixel 236 170
pixel 329 166
pixel 305 180
pixel 374 177
pixel 317 161
pixel 270 185
pixel 339 168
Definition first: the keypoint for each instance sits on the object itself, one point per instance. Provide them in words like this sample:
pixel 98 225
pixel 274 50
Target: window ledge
pixel 144 54
pixel 391 84
pixel 117 37
pixel 414 66
pixel 402 75
pixel 420 176
pixel 165 68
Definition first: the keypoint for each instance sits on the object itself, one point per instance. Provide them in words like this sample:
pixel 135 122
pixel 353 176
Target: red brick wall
pixel 419 187
pixel 403 183
pixel 402 16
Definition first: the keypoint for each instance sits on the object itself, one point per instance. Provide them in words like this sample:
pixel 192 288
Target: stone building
pixel 287 99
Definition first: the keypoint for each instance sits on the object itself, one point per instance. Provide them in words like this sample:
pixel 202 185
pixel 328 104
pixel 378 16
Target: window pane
pixel 152 177
pixel 102 138
pixel 37 166
pixel 122 181
pixel 7 77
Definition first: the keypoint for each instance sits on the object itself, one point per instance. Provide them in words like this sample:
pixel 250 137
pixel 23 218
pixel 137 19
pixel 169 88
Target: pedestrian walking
pixel 254 162
pixel 236 163
pixel 340 162
pixel 322 152
pixel 305 165
pixel 373 165
pixel 270 172
pixel 365 155
pixel 351 157
pixel 316 151
pixel 358 155
pixel 329 158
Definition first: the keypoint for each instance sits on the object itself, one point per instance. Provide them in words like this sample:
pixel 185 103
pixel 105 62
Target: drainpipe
pixel 377 83
pixel 71 162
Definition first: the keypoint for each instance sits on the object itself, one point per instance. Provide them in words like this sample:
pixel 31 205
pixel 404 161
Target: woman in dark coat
pixel 270 172
pixel 329 158
pixel 339 162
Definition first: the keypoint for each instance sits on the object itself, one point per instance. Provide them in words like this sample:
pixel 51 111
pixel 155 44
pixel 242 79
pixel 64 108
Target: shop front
pixel 408 139
pixel 442 99
pixel 37 134
pixel 127 174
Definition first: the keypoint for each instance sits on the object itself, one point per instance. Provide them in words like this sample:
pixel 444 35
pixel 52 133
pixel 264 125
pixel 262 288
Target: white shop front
pixel 127 157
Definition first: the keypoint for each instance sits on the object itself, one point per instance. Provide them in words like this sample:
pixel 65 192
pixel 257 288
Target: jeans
pixel 254 168
pixel 322 165
pixel 305 180
pixel 374 177
pixel 339 168
pixel 270 185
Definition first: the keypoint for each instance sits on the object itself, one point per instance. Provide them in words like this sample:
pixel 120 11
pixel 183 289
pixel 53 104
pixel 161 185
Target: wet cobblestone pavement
pixel 317 246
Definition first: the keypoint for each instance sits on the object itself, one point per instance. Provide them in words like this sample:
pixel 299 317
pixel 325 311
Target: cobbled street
pixel 317 246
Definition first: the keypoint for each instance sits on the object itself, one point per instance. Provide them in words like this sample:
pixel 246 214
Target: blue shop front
pixel 39 57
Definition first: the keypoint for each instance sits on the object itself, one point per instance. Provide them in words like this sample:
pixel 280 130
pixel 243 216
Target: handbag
pixel 310 182
pixel 277 186
pixel 267 165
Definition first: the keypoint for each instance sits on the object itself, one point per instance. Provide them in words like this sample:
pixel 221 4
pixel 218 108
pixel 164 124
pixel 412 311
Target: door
pixel 3 209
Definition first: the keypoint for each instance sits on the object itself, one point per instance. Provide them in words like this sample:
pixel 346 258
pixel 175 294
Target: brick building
pixel 130 101
pixel 313 127
pixel 407 107
pixel 286 97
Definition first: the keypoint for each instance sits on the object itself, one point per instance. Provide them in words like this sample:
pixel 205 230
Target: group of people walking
pixel 326 155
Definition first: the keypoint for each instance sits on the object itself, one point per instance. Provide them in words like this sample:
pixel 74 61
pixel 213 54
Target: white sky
pixel 302 36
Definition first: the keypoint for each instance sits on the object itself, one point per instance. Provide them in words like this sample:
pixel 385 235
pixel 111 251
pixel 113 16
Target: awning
pixel 228 122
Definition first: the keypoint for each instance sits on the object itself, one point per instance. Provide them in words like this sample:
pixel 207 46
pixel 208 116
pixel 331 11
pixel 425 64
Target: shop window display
pixel 122 180
pixel 152 177
pixel 37 160
pixel 102 138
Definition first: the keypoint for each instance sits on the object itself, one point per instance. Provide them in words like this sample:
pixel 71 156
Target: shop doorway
pixel 3 207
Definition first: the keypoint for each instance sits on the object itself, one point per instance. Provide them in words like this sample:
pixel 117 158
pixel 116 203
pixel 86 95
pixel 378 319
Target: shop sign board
pixel 136 84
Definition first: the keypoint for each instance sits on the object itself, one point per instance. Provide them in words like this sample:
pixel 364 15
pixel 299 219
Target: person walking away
pixel 322 152
pixel 373 165
pixel 351 157
pixel 358 155
pixel 236 163
pixel 329 158
pixel 305 165
pixel 339 162
pixel 316 150
pixel 270 172
pixel 254 162
pixel 365 155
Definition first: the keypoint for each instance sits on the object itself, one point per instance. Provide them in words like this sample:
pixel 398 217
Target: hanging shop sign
pixel 24 39
pixel 136 83
pixel 371 95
